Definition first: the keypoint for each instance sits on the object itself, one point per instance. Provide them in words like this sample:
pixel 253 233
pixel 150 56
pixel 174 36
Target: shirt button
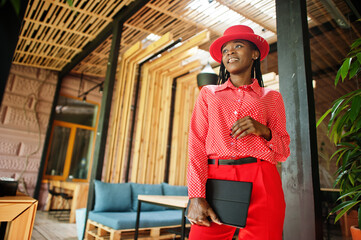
pixel 239 100
pixel 239 90
pixel 232 143
pixel 271 145
pixel 235 112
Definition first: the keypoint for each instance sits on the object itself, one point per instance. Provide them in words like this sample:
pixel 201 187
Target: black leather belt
pixel 233 161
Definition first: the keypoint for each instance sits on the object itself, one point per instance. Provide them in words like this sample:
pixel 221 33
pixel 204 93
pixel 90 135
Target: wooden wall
pixel 186 95
pixel 152 121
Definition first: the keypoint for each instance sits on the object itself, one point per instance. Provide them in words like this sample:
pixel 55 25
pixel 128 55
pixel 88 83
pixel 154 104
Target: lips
pixel 231 60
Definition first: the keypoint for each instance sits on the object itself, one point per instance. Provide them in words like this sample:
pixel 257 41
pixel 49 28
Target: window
pixel 71 141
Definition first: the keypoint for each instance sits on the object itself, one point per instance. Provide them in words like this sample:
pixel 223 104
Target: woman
pixel 236 121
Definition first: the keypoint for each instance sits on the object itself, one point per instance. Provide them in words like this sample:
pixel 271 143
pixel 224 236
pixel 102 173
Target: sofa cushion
pixel 112 197
pixel 80 222
pixel 173 190
pixel 146 189
pixel 127 220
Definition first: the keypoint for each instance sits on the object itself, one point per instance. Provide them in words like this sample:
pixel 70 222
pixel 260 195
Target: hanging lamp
pixel 207 77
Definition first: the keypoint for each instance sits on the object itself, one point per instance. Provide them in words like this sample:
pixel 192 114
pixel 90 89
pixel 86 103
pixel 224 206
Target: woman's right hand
pixel 199 212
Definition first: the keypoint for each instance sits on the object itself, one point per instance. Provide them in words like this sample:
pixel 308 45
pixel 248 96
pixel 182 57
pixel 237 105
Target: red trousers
pixel 266 212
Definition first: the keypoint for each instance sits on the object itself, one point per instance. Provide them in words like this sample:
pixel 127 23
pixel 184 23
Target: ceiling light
pixel 207 77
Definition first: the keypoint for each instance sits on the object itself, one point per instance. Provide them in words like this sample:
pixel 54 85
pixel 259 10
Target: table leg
pixel 137 222
pixel 183 224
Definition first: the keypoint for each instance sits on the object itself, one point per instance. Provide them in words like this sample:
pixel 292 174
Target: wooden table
pixel 19 212
pixel 79 190
pixel 176 202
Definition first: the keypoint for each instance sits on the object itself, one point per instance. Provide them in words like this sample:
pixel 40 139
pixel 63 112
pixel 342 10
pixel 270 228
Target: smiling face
pixel 238 56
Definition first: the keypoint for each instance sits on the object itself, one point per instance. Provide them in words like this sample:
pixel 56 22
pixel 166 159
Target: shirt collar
pixel 254 86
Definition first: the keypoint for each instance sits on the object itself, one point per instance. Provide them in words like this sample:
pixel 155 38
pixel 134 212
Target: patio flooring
pixel 47 227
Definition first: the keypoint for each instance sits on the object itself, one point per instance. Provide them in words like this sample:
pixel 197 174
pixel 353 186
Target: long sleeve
pixel 197 172
pixel 279 144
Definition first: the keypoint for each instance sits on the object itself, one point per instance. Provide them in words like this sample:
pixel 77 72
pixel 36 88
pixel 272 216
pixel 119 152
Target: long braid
pixel 223 74
pixel 256 68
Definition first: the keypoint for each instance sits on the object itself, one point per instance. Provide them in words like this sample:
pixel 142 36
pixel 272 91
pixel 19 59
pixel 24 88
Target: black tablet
pixel 230 200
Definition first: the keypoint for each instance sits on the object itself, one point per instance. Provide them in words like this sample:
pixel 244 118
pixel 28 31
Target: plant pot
pixel 355 233
pixel 348 220
pixel 8 188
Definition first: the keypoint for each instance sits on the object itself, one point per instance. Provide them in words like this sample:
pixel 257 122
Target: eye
pixel 238 46
pixel 224 50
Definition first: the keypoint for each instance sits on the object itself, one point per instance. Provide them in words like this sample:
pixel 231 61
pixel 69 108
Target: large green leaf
pixel 337 152
pixel 352 179
pixel 356 43
pixel 359 57
pixel 337 78
pixel 355 108
pixel 340 157
pixel 323 117
pixel 346 209
pixel 353 191
pixel 358 125
pixel 355 67
pixel 345 68
pixel 340 206
pixel 335 110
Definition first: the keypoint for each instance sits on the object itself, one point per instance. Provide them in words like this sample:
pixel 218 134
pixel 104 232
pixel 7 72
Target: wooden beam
pixel 123 15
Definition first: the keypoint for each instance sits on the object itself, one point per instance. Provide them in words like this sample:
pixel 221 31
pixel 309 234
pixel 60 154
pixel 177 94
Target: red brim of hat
pixel 216 46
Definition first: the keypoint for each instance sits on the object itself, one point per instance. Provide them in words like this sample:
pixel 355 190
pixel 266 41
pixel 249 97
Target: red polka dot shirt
pixel 214 113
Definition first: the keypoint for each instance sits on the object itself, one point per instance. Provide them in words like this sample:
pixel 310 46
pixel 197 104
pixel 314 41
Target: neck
pixel 241 79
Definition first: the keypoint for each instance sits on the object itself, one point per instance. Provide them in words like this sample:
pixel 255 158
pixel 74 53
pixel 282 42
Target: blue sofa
pixel 116 205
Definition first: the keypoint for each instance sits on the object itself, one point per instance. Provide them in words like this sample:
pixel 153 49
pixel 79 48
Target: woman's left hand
pixel 247 125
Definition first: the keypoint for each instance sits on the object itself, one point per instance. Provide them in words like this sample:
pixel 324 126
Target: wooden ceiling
pixel 53 32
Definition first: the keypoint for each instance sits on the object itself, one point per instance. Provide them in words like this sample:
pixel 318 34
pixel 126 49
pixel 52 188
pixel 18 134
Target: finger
pixel 192 221
pixel 242 127
pixel 204 222
pixel 214 217
pixel 237 132
pixel 240 124
pixel 246 132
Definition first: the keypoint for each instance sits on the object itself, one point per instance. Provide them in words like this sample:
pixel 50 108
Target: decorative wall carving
pixel 16 164
pixel 31 149
pixel 9 147
pixel 18 125
pixel 25 120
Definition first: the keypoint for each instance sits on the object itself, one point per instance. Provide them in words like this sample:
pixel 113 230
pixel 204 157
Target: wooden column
pixel 300 175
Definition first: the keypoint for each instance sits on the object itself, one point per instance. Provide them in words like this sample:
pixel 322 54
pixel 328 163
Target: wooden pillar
pixel 300 175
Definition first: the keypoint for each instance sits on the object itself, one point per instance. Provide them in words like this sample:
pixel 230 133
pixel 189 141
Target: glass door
pixel 72 140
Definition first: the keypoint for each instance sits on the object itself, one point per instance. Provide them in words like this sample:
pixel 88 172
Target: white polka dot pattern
pixel 216 110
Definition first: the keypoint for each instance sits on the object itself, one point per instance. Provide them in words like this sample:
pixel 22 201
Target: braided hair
pixel 255 72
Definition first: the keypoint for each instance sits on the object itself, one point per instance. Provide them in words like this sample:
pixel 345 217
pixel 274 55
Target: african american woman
pixel 241 127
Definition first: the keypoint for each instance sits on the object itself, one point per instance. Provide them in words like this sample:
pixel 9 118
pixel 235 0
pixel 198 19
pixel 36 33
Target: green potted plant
pixel 344 129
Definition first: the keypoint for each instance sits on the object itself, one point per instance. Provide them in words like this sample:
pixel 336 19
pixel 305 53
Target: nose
pixel 231 51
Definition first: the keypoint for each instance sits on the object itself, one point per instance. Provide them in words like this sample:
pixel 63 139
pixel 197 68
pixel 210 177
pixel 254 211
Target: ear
pixel 255 54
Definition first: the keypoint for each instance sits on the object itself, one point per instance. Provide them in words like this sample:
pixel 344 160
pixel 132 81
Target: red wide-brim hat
pixel 234 33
